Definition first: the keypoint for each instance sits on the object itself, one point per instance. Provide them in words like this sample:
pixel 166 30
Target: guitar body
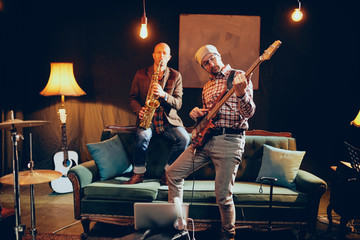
pixel 201 133
pixel 62 165
pixel 63 184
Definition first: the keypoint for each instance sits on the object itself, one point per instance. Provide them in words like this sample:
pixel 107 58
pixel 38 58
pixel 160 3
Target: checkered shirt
pixel 158 120
pixel 236 111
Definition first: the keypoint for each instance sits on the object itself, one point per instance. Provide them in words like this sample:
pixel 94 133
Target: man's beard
pixel 215 70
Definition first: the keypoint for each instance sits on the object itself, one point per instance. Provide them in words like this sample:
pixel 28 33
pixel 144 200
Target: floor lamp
pixel 62 82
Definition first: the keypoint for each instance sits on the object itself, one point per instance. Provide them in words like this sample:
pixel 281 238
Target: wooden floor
pixel 54 211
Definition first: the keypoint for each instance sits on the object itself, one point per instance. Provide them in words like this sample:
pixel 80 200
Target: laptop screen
pixel 157 215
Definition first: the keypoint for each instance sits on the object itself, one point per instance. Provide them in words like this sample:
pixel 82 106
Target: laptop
pixel 157 215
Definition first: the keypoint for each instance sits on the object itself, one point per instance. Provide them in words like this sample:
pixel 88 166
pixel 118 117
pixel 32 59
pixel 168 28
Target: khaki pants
pixel 225 151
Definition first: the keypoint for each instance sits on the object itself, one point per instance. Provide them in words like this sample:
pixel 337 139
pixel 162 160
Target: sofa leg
pixel 86 226
pixel 329 215
pixel 302 233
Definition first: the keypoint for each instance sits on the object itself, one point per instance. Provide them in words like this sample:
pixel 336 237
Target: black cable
pixel 193 173
pixel 144 6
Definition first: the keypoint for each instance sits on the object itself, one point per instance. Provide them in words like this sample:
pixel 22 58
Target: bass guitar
pixel 202 130
pixel 63 160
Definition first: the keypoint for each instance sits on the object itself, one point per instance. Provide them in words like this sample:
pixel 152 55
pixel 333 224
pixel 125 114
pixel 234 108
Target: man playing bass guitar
pixel 225 144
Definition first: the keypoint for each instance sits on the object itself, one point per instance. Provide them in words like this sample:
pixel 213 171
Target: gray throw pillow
pixel 281 164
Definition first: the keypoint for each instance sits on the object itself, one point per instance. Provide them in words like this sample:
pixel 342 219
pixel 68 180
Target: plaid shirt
pixel 158 118
pixel 236 111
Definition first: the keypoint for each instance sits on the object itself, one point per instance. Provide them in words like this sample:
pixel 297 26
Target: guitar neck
pixel 64 144
pixel 217 107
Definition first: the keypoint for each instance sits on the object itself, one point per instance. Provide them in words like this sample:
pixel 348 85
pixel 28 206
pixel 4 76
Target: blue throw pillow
pixel 110 157
pixel 281 164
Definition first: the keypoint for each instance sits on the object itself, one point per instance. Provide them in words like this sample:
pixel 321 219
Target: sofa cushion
pixel 110 157
pixel 248 193
pixel 281 164
pixel 114 189
pixel 243 192
pixel 203 191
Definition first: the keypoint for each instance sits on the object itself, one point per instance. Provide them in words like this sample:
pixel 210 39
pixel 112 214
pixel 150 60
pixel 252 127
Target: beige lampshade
pixel 356 121
pixel 62 81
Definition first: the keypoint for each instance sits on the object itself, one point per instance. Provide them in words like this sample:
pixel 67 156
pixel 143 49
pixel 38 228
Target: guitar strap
pixel 229 85
pixel 230 80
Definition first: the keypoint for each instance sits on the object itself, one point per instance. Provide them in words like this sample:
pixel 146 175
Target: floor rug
pixel 50 236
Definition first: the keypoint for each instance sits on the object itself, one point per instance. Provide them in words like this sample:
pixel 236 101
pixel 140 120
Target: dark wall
pixel 309 87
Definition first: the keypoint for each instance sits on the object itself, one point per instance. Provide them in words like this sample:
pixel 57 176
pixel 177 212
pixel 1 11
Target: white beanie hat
pixel 203 51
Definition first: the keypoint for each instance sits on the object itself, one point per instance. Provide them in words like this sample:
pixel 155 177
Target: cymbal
pixel 8 124
pixel 32 177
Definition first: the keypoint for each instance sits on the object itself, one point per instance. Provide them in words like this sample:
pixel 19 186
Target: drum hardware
pixel 30 177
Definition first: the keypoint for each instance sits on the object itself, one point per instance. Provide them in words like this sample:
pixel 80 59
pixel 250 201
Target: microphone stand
pixel 180 222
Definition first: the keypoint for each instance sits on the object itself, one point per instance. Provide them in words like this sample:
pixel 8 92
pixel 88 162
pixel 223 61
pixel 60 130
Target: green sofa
pixel 110 201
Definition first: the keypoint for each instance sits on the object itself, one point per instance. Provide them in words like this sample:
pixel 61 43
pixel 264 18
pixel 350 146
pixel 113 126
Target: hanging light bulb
pixel 297 14
pixel 143 30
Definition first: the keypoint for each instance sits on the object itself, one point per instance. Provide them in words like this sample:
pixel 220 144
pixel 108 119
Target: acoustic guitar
pixel 63 160
pixel 202 130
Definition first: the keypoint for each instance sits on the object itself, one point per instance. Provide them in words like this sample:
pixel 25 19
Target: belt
pixel 222 131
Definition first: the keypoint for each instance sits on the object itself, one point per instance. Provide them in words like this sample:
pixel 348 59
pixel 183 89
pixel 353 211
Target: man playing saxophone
pixel 163 84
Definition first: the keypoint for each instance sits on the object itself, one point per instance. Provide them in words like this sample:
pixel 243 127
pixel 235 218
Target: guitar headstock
pixel 62 115
pixel 271 50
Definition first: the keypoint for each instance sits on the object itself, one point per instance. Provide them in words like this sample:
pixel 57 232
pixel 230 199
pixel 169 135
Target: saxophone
pixel 151 103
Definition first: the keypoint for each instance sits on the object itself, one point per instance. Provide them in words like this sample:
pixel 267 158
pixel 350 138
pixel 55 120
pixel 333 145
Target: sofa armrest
pixel 86 173
pixel 80 176
pixel 315 187
pixel 308 182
